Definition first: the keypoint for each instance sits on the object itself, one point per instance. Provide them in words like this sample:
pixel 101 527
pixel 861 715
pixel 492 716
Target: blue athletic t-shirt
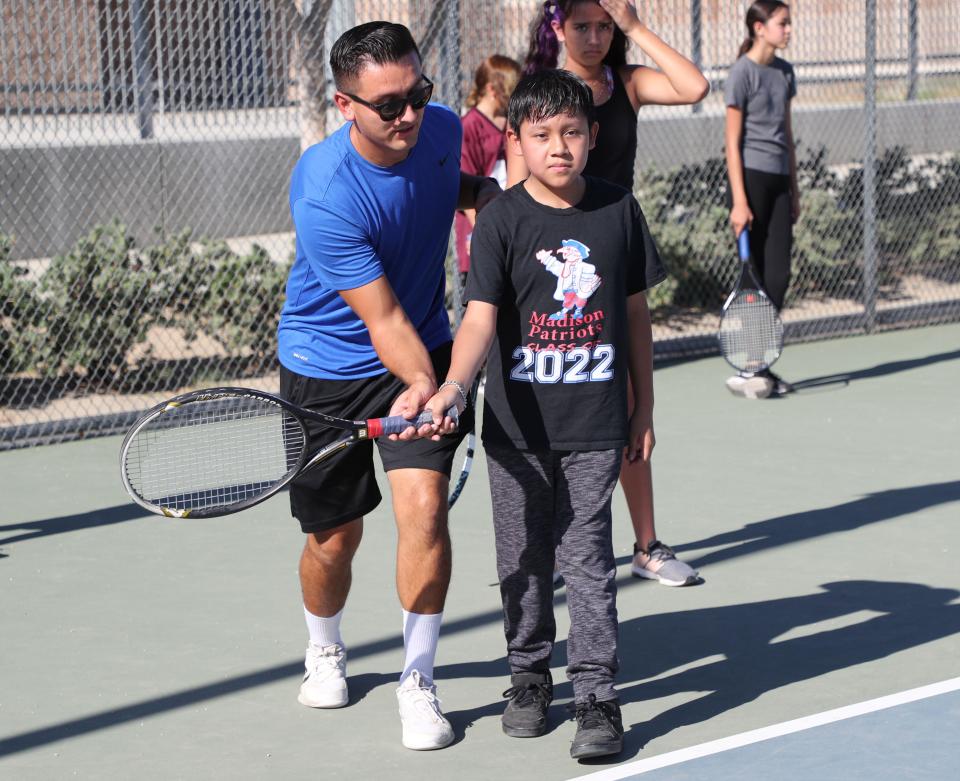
pixel 355 222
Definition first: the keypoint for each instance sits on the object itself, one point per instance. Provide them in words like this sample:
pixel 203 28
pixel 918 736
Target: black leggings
pixel 771 236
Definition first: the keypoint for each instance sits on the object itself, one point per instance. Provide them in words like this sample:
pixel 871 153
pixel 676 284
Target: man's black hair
pixel 374 42
pixel 547 94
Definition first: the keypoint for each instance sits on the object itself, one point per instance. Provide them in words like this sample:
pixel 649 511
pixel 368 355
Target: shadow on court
pixel 811 524
pixel 746 635
pixel 755 660
pixel 360 687
pixel 881 370
pixel 71 523
pixel 916 614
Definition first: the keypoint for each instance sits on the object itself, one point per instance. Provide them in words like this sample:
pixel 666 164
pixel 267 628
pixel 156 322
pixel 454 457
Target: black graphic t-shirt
pixel 557 371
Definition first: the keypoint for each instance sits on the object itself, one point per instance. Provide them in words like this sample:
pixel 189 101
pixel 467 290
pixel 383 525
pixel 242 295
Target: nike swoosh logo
pixel 443 159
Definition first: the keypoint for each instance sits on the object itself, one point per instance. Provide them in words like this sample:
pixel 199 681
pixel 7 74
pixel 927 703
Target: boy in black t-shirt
pixel 559 267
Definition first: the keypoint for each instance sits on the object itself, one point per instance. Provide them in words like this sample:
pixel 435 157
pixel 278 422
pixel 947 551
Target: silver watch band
pixel 460 389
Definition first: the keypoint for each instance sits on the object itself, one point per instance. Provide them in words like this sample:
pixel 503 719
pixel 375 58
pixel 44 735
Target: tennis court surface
pixel 825 641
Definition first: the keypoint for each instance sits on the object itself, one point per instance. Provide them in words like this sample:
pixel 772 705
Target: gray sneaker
pixel 659 562
pixel 750 386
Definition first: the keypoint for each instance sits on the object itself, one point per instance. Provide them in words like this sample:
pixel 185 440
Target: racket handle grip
pixel 743 244
pixel 380 427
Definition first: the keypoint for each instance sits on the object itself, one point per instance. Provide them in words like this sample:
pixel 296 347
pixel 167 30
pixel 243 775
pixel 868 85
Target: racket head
pixel 751 332
pixel 212 452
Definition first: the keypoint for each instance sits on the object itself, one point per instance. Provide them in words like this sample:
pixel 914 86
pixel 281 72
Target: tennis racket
pixel 221 450
pixel 469 443
pixel 468 447
pixel 751 332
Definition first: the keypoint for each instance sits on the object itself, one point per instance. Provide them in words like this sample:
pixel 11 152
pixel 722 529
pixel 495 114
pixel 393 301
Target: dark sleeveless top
pixel 615 152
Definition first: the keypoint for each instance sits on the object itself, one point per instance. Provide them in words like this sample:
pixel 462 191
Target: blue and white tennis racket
pixel 751 332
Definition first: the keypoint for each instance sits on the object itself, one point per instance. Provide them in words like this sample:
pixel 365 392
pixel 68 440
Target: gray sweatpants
pixel 554 506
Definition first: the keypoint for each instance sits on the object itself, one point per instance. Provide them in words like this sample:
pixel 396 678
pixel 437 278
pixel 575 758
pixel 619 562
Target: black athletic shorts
pixel 344 486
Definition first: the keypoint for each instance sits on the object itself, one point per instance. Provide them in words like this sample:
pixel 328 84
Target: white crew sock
pixel 323 631
pixel 421 634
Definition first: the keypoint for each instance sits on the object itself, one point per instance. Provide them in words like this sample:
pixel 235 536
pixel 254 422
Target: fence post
pixel 912 48
pixel 340 17
pixel 453 79
pixel 869 169
pixel 142 67
pixel 696 42
pixel 311 18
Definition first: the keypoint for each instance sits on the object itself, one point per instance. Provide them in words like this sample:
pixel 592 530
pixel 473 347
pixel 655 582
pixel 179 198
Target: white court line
pixel 773 731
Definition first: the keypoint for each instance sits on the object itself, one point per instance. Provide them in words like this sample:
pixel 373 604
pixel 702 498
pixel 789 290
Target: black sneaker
pixel 780 386
pixel 529 697
pixel 599 729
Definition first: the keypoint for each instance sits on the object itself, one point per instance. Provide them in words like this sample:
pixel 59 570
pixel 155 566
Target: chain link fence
pixel 146 145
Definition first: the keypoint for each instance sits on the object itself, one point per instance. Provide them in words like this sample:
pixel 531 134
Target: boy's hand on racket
pixel 409 404
pixel 623 13
pixel 741 218
pixel 642 439
pixel 445 399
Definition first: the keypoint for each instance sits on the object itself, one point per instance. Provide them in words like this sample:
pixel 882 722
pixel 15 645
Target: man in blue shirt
pixel 364 333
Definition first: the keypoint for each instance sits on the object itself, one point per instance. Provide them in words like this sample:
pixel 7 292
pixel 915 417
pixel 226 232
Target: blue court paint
pixel 913 740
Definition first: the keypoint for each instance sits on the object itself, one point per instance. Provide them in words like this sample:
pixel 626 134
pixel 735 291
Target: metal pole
pixel 869 170
pixel 453 83
pixel 912 48
pixel 696 42
pixel 340 18
pixel 142 67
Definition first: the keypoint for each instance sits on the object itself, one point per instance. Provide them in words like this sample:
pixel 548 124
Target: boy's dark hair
pixel 547 94
pixel 374 42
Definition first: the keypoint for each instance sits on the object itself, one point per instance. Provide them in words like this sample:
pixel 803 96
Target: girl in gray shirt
pixel 761 164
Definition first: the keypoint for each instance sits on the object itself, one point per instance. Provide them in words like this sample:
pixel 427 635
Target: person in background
pixel 762 164
pixel 595 36
pixel 484 126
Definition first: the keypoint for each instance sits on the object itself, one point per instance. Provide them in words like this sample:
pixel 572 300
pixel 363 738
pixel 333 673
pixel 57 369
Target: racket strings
pixel 213 453
pixel 751 333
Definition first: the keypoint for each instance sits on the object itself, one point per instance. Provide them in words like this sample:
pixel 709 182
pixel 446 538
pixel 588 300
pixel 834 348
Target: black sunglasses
pixel 389 110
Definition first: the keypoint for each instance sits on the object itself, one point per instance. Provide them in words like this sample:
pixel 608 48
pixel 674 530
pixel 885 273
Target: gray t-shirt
pixel 762 93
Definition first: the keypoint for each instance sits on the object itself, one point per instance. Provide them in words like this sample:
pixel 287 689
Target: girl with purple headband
pixel 595 36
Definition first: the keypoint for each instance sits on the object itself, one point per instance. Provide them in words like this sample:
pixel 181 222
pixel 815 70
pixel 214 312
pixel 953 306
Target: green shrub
pixel 685 211
pixel 937 250
pixel 918 205
pixel 18 308
pixel 182 277
pixel 825 248
pixel 100 302
pixel 100 299
pixel 242 302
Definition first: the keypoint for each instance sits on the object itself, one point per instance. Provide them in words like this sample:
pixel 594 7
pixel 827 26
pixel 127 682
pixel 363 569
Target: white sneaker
pixel 424 726
pixel 751 387
pixel 325 680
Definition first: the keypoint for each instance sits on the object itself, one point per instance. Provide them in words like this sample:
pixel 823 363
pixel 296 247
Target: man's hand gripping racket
pixel 221 450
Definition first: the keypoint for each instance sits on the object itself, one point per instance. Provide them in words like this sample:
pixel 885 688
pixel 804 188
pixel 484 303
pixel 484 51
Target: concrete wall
pixel 923 127
pixel 51 195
